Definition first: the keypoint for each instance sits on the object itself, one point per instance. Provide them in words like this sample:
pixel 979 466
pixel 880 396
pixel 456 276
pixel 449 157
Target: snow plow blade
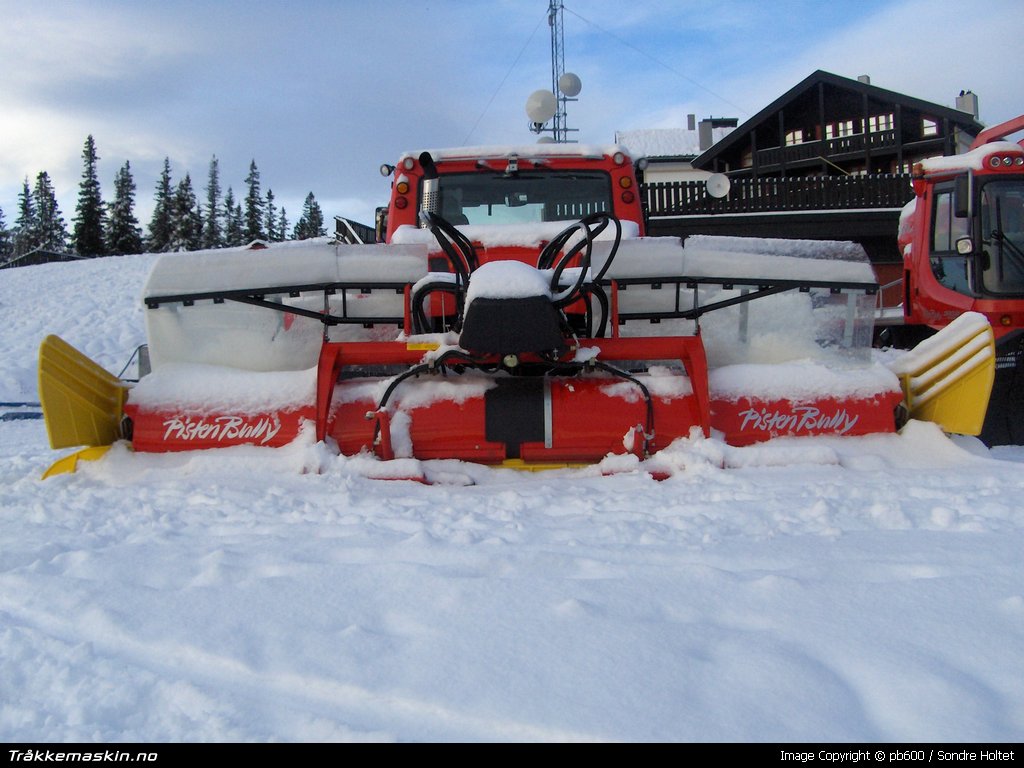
pixel 947 379
pixel 82 402
pixel 70 463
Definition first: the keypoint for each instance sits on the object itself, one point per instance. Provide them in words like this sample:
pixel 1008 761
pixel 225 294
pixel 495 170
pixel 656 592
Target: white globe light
pixel 541 106
pixel 570 85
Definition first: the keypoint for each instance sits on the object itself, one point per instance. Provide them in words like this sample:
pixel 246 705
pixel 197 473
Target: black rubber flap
pixel 514 413
pixel 512 326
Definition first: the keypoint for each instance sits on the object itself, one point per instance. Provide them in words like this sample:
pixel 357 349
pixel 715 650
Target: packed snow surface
pixel 863 589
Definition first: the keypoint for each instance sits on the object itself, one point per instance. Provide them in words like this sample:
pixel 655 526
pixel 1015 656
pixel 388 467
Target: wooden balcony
pixel 763 195
pixel 837 149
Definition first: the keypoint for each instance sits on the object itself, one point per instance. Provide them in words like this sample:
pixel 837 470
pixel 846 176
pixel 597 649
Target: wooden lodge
pixel 829 159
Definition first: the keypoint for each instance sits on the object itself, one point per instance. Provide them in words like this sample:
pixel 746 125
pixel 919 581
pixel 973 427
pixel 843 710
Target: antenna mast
pixel 549 106
pixel 558 129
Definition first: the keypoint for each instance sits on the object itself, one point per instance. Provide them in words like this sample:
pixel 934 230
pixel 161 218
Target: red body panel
pixel 445 429
pixel 751 420
pixel 169 429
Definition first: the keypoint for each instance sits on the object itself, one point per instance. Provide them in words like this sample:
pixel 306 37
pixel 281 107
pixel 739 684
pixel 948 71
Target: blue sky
pixel 322 92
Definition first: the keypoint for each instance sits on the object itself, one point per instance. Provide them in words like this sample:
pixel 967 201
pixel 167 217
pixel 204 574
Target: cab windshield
pixel 1002 236
pixel 523 197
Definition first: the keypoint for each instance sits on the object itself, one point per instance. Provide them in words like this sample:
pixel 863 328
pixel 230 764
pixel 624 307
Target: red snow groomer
pixel 515 314
pixel 962 239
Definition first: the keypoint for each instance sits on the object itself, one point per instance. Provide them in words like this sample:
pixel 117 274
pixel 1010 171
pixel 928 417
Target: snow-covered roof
pixel 665 142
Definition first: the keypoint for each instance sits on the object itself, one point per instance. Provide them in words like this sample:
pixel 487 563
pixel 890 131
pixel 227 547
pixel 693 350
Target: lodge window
pixel 840 129
pixel 794 137
pixel 878 123
pixel 929 127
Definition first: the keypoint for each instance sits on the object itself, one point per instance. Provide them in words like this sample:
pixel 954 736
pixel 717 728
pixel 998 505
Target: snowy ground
pixel 863 589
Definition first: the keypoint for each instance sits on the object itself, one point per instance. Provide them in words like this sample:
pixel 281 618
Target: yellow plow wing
pixel 82 402
pixel 947 379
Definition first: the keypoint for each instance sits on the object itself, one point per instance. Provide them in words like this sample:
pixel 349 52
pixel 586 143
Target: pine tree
pixel 233 234
pixel 52 232
pixel 213 235
pixel 90 214
pixel 26 228
pixel 123 232
pixel 239 222
pixel 186 223
pixel 160 224
pixel 270 214
pixel 5 240
pixel 311 224
pixel 282 225
pixel 254 206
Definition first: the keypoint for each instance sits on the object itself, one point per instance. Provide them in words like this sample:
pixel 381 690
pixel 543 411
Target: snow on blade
pixel 800 380
pixel 195 387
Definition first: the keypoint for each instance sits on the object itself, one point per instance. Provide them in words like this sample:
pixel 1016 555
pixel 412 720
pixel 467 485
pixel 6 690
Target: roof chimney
pixel 866 79
pixel 707 125
pixel 967 102
pixel 691 122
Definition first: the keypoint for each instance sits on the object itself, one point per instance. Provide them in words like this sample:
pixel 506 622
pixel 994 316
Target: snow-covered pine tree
pixel 5 240
pixel 239 224
pixel 311 224
pixel 270 215
pixel 159 239
pixel 90 213
pixel 233 234
pixel 213 232
pixel 52 233
pixel 282 224
pixel 186 223
pixel 123 232
pixel 254 206
pixel 26 227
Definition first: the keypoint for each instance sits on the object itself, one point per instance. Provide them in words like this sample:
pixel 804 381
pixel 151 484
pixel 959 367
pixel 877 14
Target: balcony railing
pixel 762 195
pixel 836 148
